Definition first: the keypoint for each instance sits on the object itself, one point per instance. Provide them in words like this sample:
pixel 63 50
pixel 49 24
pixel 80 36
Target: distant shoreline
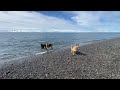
pixel 59 32
pixel 99 60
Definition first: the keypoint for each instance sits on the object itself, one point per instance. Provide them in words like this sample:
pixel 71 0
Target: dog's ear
pixel 77 44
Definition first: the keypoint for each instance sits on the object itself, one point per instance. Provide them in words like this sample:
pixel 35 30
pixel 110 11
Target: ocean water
pixel 15 45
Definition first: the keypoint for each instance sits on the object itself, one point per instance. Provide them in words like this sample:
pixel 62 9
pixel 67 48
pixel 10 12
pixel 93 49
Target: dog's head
pixel 77 45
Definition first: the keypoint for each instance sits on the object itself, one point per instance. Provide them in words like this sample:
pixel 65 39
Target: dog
pixel 46 46
pixel 74 49
pixel 49 45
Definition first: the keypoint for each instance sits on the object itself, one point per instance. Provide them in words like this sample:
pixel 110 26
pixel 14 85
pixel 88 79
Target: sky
pixel 59 21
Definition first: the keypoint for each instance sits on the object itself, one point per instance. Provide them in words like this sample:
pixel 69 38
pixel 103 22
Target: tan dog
pixel 74 49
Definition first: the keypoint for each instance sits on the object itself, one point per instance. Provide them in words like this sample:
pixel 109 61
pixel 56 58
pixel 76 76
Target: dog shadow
pixel 80 53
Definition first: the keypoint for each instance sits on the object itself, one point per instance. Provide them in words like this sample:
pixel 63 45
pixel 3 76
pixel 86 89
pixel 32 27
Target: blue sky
pixel 59 21
pixel 58 14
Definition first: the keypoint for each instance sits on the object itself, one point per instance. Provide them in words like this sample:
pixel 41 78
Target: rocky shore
pixel 99 60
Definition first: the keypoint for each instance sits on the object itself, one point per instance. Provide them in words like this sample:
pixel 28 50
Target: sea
pixel 14 45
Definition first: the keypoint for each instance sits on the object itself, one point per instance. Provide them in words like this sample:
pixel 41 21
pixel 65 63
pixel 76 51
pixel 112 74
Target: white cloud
pixel 32 21
pixel 86 18
pixel 84 21
pixel 98 21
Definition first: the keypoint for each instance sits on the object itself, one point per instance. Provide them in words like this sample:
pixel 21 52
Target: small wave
pixel 91 41
pixel 41 53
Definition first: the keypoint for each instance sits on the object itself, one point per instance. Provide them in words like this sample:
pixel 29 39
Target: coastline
pixel 99 60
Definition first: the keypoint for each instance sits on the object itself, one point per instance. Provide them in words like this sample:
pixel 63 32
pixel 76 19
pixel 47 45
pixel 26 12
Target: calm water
pixel 16 45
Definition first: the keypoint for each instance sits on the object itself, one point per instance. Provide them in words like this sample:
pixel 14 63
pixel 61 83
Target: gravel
pixel 99 60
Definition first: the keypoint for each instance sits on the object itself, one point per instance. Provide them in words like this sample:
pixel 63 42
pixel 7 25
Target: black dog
pixel 43 46
pixel 46 46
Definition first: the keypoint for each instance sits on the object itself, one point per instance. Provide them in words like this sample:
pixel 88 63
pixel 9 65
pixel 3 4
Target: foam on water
pixel 43 52
pixel 40 53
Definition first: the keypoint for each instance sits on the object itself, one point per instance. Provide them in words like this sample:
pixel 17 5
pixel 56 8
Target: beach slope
pixel 99 60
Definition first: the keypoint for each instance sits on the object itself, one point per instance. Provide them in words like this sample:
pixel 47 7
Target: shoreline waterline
pixel 54 50
pixel 17 45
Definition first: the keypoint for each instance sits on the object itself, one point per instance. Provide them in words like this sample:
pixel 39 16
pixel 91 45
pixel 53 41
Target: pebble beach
pixel 100 60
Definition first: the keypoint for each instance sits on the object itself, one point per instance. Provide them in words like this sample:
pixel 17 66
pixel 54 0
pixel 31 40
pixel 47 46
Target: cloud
pixel 86 18
pixel 80 21
pixel 32 21
pixel 98 21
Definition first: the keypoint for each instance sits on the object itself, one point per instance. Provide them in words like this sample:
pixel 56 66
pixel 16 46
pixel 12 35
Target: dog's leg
pixel 73 53
pixel 46 48
pixel 51 47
